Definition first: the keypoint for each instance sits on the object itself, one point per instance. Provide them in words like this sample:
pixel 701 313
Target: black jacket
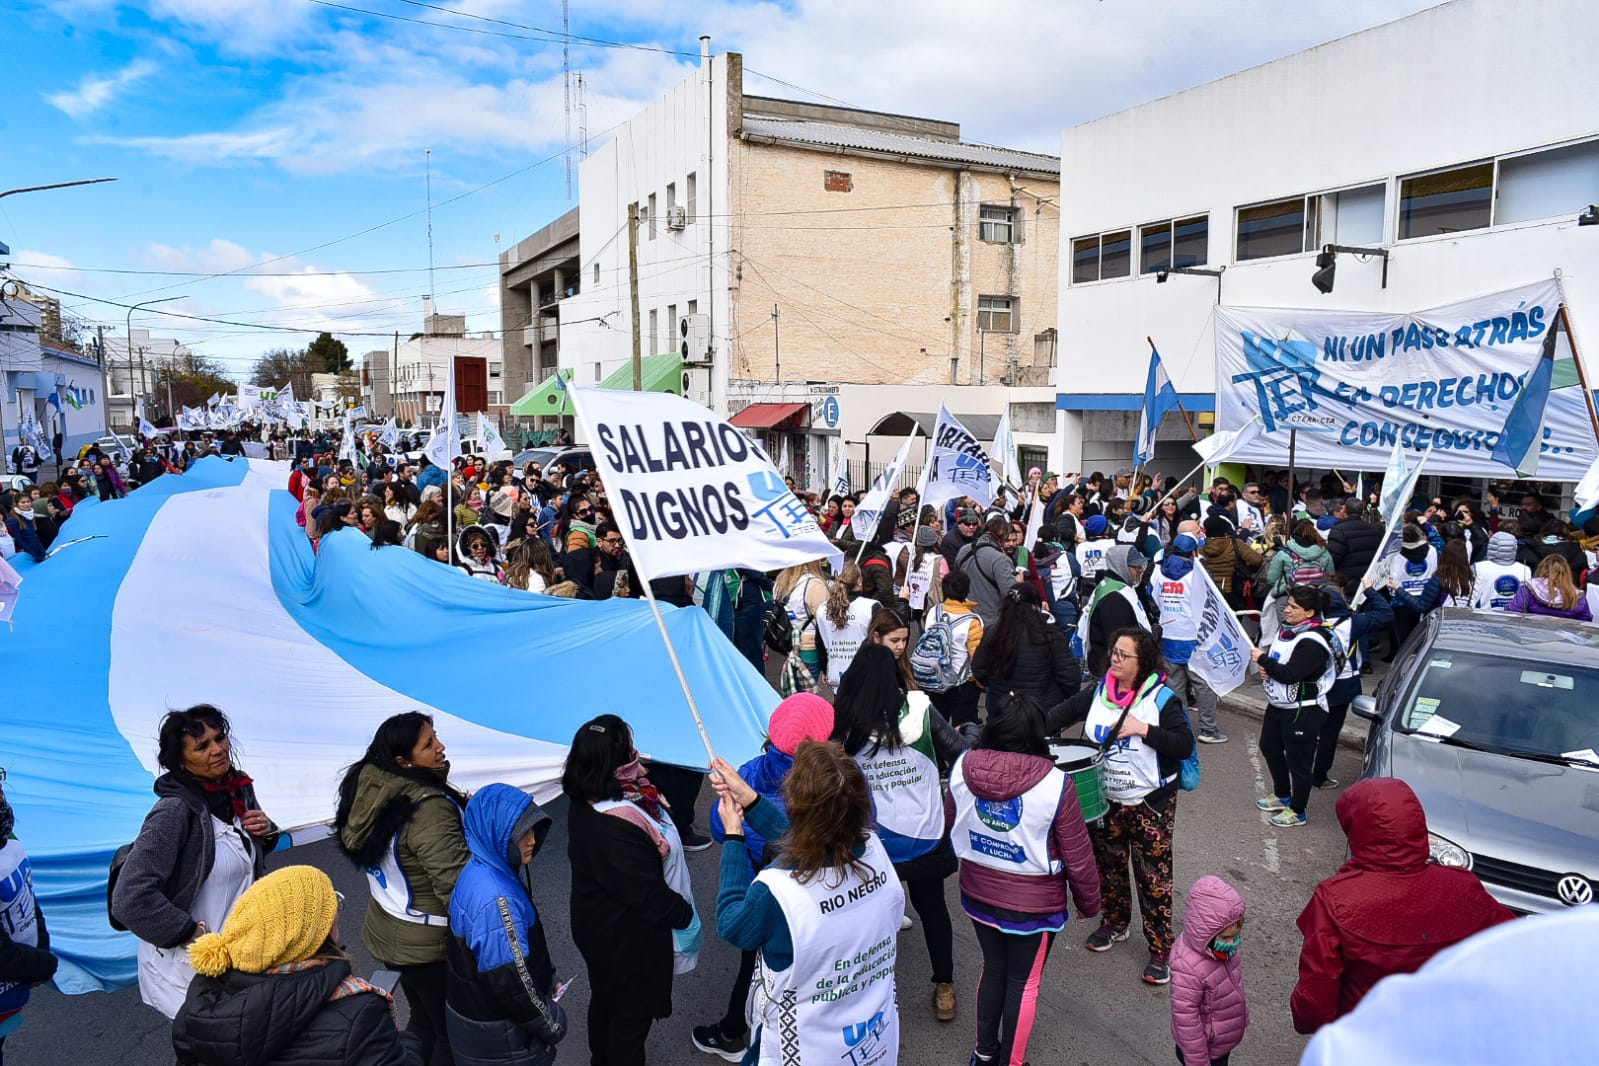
pixel 877 575
pixel 1354 543
pixel 284 1019
pixel 1536 551
pixel 1046 670
pixel 623 912
pixel 952 544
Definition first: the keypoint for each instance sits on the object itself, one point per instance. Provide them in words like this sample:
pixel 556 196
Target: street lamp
pixel 135 307
pixel 1160 278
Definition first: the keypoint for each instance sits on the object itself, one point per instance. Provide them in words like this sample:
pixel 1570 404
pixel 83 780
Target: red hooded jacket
pixel 1387 910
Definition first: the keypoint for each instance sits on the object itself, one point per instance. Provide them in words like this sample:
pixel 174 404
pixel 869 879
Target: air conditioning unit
pixel 677 218
pixel 697 385
pixel 694 339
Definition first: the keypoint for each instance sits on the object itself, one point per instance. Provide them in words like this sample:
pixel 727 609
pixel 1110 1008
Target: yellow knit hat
pixel 284 917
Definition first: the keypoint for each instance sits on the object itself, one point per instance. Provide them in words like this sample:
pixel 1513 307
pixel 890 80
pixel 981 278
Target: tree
pixel 193 379
pixel 284 366
pixel 331 354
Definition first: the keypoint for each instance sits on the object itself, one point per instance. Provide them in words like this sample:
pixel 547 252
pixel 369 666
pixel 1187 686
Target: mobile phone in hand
pixel 387 980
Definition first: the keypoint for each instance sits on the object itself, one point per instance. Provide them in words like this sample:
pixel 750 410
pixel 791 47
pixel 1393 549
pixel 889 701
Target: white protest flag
pixel 390 435
pixel 1221 444
pixel 445 444
pixel 959 465
pixel 488 436
pixel 689 490
pixel 1587 491
pixel 869 512
pixel 840 484
pixel 286 395
pixel 1035 522
pixel 1010 470
pixel 785 461
pixel 347 441
pixel 216 398
pixel 146 430
pixel 1221 658
pixel 1395 501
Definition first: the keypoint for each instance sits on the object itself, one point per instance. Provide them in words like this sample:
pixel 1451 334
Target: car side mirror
pixel 1365 707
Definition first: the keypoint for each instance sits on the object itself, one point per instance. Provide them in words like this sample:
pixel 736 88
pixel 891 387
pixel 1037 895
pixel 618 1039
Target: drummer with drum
pixel 1143 736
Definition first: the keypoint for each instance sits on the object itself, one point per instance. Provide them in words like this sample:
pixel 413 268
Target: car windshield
pixel 1509 705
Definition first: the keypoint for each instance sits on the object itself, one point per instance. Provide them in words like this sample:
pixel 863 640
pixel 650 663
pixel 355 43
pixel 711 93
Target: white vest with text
pixel 1011 835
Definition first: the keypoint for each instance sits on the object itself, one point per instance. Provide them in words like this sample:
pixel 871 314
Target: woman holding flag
pixel 900 750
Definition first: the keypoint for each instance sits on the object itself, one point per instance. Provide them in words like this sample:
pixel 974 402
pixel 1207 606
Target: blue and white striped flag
pixel 1160 396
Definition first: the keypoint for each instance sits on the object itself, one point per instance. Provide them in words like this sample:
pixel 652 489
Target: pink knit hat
pixel 803 716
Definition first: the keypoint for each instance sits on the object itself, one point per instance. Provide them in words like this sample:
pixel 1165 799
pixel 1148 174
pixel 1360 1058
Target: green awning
pixel 660 373
pixel 548 399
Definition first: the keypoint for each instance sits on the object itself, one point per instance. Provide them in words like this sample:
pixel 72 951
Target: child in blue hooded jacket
pixel 500 987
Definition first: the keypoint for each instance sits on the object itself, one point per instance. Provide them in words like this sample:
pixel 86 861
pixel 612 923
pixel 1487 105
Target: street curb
pixel 1352 736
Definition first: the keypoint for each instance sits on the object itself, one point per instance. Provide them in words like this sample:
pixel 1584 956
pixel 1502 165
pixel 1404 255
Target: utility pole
pixel 632 290
pixel 105 382
pixel 144 386
pixel 394 379
pixel 777 346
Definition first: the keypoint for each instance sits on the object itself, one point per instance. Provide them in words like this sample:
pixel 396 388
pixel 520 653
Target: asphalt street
pixel 1094 1009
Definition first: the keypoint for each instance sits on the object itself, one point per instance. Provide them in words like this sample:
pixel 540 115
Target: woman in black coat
pixel 624 911
pixel 1025 653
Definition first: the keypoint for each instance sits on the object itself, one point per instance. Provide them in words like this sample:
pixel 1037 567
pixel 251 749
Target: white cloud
pixel 97 90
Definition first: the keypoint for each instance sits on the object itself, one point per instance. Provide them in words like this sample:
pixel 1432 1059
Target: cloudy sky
pixel 271 154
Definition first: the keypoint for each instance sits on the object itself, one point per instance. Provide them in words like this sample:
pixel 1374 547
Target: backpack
pixel 778 628
pixel 117 862
pixel 932 660
pixel 1306 572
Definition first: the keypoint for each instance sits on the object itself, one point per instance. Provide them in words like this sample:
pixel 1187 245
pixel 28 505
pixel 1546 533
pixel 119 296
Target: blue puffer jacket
pixel 500 978
pixel 765 774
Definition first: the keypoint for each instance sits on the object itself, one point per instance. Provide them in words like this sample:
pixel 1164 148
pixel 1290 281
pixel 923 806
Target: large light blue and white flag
pixel 288 635
pixel 690 491
pixel 957 465
pixel 869 511
pixel 1160 397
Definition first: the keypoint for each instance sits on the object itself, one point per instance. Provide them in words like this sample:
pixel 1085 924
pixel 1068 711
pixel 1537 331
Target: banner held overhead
pixel 1442 381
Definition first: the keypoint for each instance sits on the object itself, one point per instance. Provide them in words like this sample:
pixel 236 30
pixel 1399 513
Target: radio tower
pixel 566 73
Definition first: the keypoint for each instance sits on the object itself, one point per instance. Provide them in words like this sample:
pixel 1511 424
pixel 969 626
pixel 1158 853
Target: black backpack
pixel 117 861
pixel 779 628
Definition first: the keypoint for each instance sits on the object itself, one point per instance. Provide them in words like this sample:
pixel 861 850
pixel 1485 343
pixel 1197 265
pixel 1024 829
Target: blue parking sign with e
pixel 830 411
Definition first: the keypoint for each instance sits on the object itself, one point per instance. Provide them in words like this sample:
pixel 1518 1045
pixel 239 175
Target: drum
pixel 1081 761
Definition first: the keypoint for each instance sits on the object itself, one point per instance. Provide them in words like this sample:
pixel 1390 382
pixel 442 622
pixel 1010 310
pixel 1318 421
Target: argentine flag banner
pixel 1481 386
pixel 690 490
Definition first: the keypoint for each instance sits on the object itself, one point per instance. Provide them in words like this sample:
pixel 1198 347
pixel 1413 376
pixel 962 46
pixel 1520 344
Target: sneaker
pixel 1102 938
pixel 944 1002
pixel 1327 782
pixel 1158 972
pixel 694 840
pixel 711 1040
pixel 1272 803
pixel 1286 818
pixel 1215 736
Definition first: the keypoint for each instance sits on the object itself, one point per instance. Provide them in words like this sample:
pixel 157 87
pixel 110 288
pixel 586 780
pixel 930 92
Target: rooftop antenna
pixel 566 73
pixel 428 164
pixel 582 115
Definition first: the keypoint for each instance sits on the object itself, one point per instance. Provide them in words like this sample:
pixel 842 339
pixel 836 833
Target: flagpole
pixel 655 608
pixel 1399 510
pixel 1576 357
pixel 1192 432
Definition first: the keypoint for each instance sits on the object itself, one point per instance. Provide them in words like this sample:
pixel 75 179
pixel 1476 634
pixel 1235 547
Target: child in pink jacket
pixel 1209 1012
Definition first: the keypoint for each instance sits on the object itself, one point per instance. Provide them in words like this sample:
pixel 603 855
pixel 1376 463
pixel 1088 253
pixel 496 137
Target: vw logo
pixel 1574 890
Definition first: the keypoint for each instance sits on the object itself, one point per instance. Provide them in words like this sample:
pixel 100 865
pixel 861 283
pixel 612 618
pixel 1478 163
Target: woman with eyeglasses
pixel 632 910
pixel 203 843
pixel 575 527
pixel 399 820
pixel 1144 735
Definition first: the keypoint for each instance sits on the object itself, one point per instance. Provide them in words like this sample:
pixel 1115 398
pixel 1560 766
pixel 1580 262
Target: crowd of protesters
pixel 924 683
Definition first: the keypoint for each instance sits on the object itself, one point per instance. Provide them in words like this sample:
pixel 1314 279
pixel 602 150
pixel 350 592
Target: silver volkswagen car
pixel 1493 720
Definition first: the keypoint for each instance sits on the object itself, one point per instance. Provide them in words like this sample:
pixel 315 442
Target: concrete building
pixel 805 263
pixel 136 382
pixel 407 380
pixel 33 368
pixel 536 277
pixel 1471 180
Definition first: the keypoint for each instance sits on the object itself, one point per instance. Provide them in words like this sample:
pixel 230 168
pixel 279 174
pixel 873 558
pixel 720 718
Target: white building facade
pixel 46 382
pixel 1422 136
pixel 137 381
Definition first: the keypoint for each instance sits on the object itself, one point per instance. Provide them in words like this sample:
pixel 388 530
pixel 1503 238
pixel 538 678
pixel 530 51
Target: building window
pixel 1104 256
pixel 649 214
pixel 596 373
pixel 996 314
pixel 998 224
pixel 1349 216
pixel 1176 242
pixel 596 275
pixel 655 323
pixel 671 324
pixel 693 308
pixel 690 189
pixel 1446 202
pixel 837 181
pixel 496 397
pixel 1558 181
pixel 671 195
pixel 1271 229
